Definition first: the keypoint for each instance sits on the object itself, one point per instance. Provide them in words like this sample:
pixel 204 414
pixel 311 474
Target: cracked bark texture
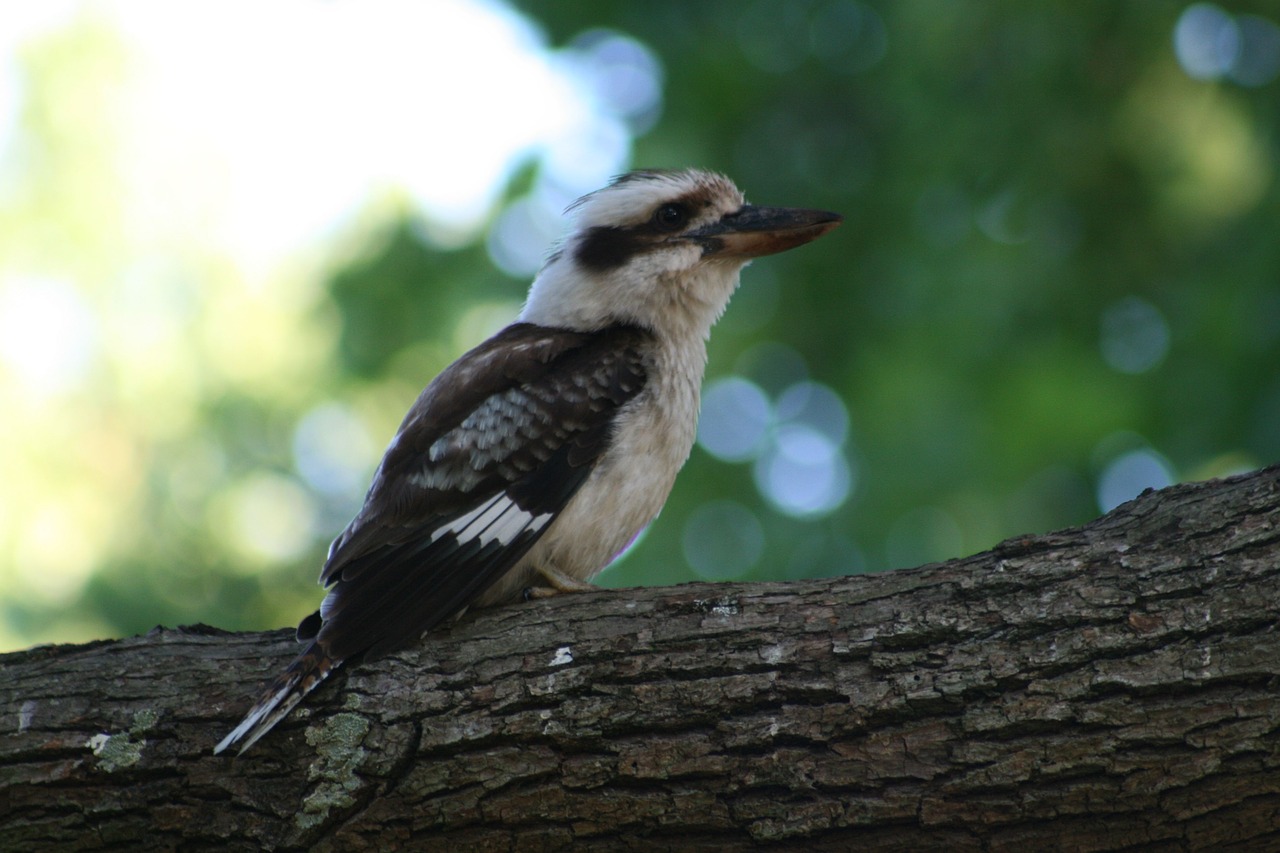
pixel 1109 687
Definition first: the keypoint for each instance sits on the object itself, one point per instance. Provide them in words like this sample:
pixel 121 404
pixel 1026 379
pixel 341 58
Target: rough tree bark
pixel 1111 687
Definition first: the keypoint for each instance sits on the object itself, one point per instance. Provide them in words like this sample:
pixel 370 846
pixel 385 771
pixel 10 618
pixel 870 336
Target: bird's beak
pixel 751 231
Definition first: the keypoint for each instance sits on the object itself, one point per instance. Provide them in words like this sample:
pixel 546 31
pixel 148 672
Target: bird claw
pixel 534 593
pixel 556 583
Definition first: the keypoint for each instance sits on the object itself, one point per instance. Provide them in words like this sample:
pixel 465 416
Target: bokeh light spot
pixel 817 406
pixel 802 472
pixel 1126 476
pixel 735 419
pixel 1206 41
pixel 1211 44
pixel 48 334
pixel 1135 336
pixel 268 518
pixel 624 74
pixel 332 450
pixel 587 156
pixel 519 241
pixel 800 466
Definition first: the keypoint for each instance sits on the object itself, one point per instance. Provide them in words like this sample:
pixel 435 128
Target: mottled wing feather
pixel 518 354
pixel 484 462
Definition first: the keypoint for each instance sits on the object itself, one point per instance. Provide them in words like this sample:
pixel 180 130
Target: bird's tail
pixel 303 675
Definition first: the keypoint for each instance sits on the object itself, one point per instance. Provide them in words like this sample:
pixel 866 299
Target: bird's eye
pixel 669 217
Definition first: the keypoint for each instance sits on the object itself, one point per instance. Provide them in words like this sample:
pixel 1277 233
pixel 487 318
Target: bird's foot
pixel 557 582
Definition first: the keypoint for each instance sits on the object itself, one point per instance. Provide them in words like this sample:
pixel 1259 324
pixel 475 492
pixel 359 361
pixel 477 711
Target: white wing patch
pixel 497 519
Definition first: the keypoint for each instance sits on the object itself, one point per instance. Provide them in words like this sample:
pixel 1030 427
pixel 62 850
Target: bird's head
pixel 661 250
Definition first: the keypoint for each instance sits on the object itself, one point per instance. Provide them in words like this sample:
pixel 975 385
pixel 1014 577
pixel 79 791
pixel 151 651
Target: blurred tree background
pixel 236 241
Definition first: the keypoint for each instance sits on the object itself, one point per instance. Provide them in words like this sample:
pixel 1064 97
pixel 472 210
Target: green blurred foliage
pixel 1009 173
pixel 384 307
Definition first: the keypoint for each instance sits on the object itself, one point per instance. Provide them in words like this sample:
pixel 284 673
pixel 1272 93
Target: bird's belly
pixel 619 499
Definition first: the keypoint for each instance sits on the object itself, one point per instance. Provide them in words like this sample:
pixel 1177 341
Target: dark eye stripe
pixel 603 248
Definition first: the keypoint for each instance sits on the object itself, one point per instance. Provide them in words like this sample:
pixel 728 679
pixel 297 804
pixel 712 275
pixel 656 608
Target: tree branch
pixel 1109 687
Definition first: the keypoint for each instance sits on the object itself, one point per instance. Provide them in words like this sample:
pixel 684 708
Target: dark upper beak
pixel 751 231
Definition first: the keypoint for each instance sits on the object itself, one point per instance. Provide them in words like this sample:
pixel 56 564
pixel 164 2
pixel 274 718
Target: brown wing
pixel 484 462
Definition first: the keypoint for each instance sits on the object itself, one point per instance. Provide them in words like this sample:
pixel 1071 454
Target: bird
pixel 531 462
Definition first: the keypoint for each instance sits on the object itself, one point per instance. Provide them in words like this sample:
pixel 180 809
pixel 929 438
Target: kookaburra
pixel 535 458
